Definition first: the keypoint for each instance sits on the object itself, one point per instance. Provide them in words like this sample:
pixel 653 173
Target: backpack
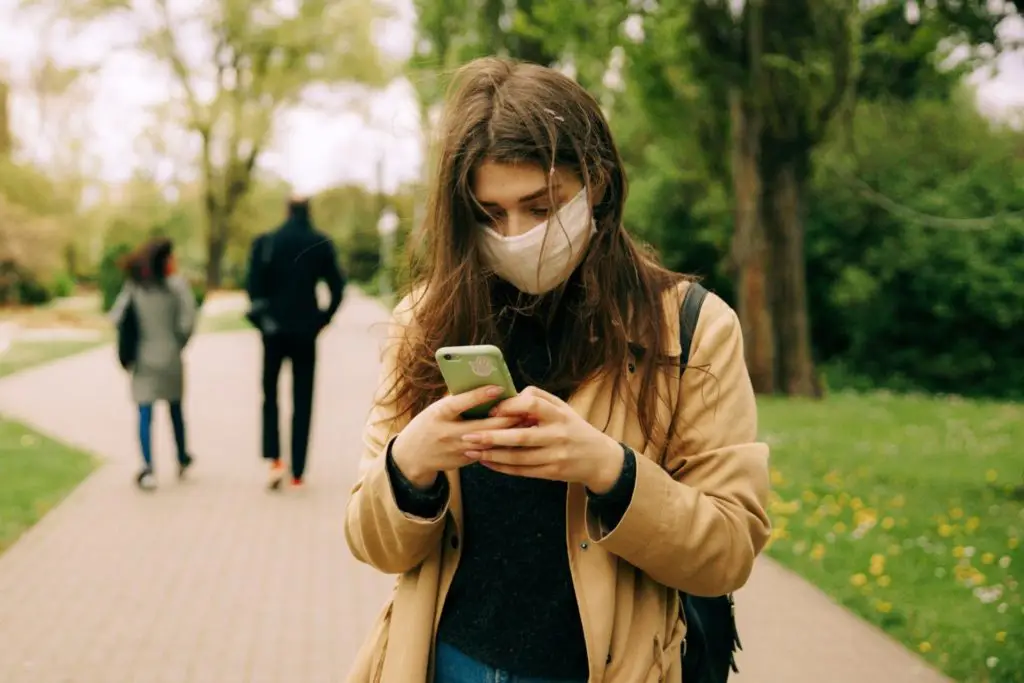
pixel 128 335
pixel 712 640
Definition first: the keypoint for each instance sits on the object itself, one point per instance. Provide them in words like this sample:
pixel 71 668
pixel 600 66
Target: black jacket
pixel 285 266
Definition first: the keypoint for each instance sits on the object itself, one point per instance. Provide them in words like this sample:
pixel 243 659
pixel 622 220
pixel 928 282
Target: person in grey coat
pixel 166 312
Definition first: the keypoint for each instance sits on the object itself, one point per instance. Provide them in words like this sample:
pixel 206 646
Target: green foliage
pixel 62 285
pixel 110 277
pixel 904 298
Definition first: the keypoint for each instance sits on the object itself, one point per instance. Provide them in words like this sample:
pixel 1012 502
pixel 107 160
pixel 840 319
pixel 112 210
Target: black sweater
pixel 512 604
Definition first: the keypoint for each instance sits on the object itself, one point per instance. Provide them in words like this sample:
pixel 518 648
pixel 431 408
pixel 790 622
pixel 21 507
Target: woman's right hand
pixel 432 441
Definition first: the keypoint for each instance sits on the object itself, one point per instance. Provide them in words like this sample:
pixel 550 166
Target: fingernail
pixel 494 391
pixel 473 455
pixel 472 438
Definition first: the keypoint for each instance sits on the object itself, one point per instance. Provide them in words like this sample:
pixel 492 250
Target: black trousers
pixel 301 351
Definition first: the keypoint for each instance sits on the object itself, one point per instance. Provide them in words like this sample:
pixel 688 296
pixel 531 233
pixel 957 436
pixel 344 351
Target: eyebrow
pixel 542 192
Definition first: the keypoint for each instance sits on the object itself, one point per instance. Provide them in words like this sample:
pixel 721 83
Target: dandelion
pixel 839 527
pixel 856 503
pixel 877 564
pixel 883 606
pixel 897 501
pixel 988 558
pixel 958 551
pixel 777 478
pixel 972 524
pixel 888 523
pixel 818 551
pixel 858 580
pixel 945 530
pixel 1012 542
pixel 956 513
pixel 991 476
pixel 809 496
pixel 1001 637
pixel 925 646
pixel 884 581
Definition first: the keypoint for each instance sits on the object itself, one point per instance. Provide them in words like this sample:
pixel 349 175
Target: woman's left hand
pixel 559 445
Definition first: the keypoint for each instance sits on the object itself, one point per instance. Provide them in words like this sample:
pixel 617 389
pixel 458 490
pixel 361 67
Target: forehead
pixel 507 184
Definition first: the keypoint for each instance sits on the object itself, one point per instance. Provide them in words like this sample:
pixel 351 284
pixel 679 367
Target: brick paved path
pixel 217 581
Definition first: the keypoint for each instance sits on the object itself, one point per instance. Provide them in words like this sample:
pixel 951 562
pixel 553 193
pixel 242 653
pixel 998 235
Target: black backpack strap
pixel 689 312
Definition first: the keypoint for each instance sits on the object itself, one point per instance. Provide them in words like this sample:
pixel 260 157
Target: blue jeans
pixel 146 432
pixel 451 666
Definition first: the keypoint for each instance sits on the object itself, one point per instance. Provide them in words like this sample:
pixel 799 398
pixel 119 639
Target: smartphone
pixel 465 368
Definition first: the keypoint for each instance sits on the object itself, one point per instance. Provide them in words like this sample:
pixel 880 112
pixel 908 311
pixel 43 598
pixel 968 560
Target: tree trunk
pixel 784 226
pixel 749 255
pixel 216 241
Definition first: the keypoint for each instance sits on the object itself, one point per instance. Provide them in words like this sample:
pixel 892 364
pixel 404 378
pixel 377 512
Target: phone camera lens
pixel 447 356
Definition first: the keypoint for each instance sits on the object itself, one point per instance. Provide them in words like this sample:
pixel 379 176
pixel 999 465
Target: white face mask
pixel 532 266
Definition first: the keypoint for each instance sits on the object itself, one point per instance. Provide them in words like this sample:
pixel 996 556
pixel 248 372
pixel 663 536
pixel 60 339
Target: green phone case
pixel 465 368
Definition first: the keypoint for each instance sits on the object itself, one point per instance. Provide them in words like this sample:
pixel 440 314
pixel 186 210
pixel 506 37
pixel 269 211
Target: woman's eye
pixel 540 212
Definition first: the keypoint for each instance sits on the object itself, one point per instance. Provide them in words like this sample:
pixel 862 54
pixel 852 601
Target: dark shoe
pixel 183 464
pixel 145 479
pixel 276 475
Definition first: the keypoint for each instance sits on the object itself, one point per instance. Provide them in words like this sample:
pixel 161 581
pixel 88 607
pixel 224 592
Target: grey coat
pixel 167 316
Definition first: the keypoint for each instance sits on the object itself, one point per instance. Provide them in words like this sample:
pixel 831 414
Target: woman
pixel 166 312
pixel 548 541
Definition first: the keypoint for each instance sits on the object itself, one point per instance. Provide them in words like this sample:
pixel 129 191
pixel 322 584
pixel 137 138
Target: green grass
pixel 226 322
pixel 28 354
pixel 24 355
pixel 909 511
pixel 36 474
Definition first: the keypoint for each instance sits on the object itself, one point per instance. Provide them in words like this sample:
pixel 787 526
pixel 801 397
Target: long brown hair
pixel 515 112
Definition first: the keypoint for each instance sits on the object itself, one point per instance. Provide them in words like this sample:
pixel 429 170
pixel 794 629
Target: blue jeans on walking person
pixel 451 666
pixel 146 432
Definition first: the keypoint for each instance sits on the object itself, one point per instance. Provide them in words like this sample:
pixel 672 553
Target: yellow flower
pixel 956 513
pixel 779 533
pixel 858 580
pixel 888 523
pixel 856 503
pixel 972 524
pixel 897 501
pixel 1012 542
pixel 877 564
pixel 925 647
pixel 777 478
pixel 945 530
pixel 958 551
pixel 988 558
pixel 833 478
pixel 839 527
pixel 809 496
pixel 818 551
pixel 991 476
pixel 1001 637
pixel 883 606
pixel 884 581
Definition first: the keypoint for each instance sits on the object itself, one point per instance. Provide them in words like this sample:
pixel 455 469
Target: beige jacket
pixel 696 521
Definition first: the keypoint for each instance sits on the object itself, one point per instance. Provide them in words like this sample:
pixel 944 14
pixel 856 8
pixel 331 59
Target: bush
pixel 110 277
pixel 63 285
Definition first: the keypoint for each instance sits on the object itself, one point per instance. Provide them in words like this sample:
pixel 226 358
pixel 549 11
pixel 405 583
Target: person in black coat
pixel 285 267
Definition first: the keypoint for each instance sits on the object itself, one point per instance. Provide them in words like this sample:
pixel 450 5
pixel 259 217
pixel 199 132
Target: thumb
pixel 454 406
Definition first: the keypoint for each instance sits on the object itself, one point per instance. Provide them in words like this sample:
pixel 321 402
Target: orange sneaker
pixel 297 483
pixel 276 475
